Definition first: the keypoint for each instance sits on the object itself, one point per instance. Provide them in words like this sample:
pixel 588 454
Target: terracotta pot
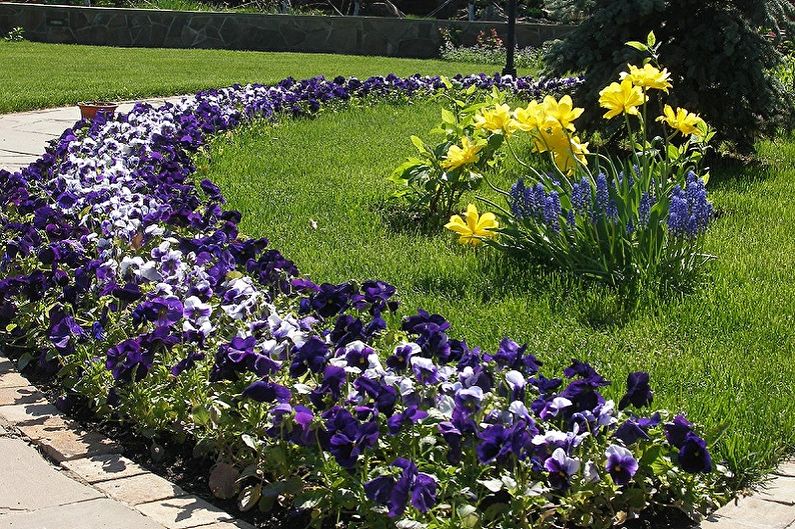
pixel 89 109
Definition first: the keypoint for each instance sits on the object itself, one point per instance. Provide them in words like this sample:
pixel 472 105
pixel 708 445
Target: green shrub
pixel 721 60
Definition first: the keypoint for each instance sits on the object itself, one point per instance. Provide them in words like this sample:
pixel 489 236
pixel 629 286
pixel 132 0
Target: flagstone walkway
pixel 102 490
pixel 24 135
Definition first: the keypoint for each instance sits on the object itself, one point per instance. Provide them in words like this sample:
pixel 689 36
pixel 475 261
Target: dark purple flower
pixel 497 442
pixel 347 438
pixel 452 437
pixel 412 485
pixel 399 360
pixel 311 356
pixel 621 464
pixel 639 393
pixel 630 432
pixel 267 391
pixel 411 415
pixel 586 372
pixel 693 455
pixel 330 389
pixel 561 468
pixel 187 363
pixel 418 323
pixel 377 294
pixel 583 395
pixel 512 356
pixel 129 359
pixel 331 299
pixel 677 430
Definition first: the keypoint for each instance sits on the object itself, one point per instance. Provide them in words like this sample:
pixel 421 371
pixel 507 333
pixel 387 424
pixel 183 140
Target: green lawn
pixel 723 354
pixel 36 75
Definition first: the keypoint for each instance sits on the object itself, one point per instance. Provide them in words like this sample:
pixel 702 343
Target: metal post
pixel 510 42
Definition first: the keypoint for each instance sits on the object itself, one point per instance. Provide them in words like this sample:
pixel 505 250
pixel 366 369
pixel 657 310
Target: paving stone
pixel 755 513
pixel 786 469
pixel 143 488
pixel 184 513
pixel 64 444
pixel 45 425
pixel 29 482
pixel 780 489
pixel 237 524
pixel 28 413
pixel 20 395
pixel 103 467
pixel 12 379
pixel 95 514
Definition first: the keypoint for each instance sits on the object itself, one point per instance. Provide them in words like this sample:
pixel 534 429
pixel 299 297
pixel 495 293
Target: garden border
pixel 96 461
pixel 771 506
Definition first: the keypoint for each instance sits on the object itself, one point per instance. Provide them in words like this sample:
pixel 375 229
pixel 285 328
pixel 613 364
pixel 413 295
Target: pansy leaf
pixel 494 485
pixel 249 497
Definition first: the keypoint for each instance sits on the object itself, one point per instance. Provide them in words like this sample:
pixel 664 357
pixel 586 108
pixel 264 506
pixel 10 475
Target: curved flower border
pixel 110 249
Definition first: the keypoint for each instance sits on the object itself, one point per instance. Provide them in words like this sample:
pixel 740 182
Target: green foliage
pixel 489 49
pixel 568 11
pixel 429 184
pixel 720 59
pixel 16 34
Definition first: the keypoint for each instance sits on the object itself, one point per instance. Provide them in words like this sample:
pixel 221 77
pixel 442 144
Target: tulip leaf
pixel 418 143
pixel 637 45
pixel 448 117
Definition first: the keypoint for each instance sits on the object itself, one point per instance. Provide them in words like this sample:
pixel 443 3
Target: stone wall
pixel 242 31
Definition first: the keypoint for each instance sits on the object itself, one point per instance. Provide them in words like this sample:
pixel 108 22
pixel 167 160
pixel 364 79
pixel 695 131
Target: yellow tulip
pixel 620 98
pixel 562 112
pixel 648 77
pixel 497 119
pixel 531 117
pixel 467 153
pixel 475 228
pixel 567 157
pixel 685 122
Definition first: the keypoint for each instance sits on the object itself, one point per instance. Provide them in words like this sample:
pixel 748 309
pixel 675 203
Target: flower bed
pixel 134 285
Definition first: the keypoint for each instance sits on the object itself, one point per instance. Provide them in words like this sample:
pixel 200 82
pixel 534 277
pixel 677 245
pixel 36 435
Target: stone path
pixel 96 488
pixel 24 135
pixel 58 476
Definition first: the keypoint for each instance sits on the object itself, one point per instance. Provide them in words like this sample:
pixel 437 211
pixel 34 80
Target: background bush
pixel 719 52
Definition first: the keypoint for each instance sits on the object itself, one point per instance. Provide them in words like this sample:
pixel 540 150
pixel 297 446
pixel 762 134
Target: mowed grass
pixel 36 75
pixel 723 354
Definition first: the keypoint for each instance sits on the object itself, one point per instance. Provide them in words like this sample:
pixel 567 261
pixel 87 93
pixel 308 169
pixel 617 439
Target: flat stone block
pixel 95 514
pixel 237 524
pixel 786 469
pixel 103 467
pixel 143 488
pixel 28 413
pixel 45 426
pixel 20 395
pixel 12 379
pixel 66 444
pixel 185 512
pixel 756 513
pixel 780 489
pixel 30 483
